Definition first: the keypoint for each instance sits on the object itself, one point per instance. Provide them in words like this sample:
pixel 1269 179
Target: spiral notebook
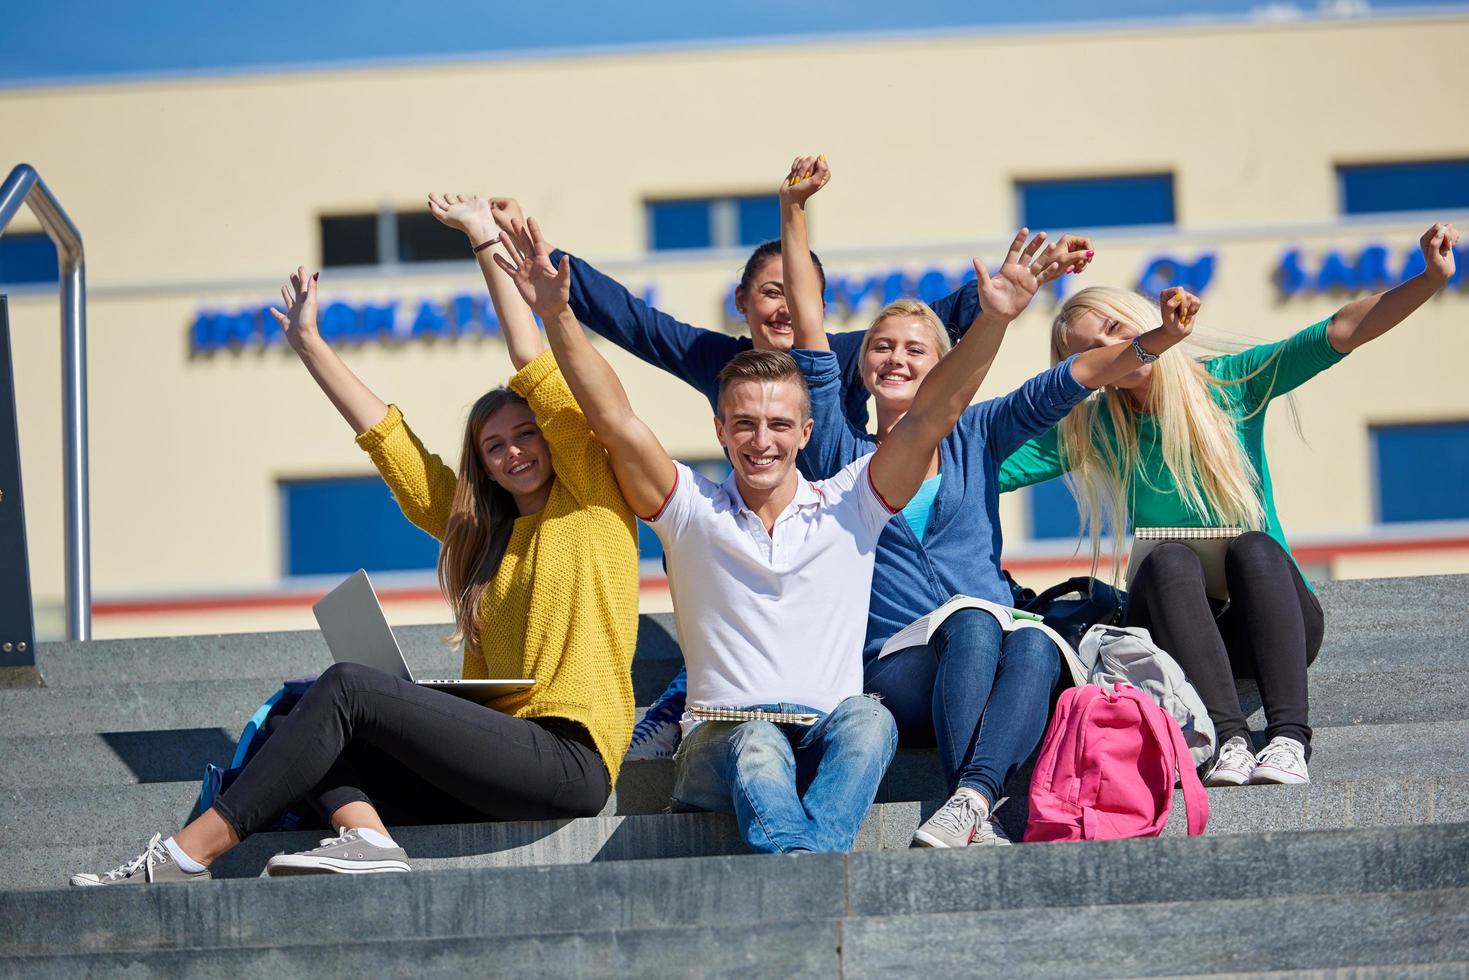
pixel 1209 543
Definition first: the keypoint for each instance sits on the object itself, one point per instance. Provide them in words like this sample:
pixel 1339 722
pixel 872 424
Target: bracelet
pixel 484 245
pixel 1142 355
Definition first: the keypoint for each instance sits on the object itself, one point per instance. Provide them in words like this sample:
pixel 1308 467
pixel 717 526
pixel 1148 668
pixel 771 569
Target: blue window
pixel 1422 471
pixel 336 526
pixel 27 258
pixel 713 222
pixel 1096 202
pixel 1053 511
pixel 1426 186
pixel 679 224
pixel 759 219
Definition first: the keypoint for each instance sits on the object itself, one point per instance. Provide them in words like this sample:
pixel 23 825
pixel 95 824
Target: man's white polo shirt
pixel 779 616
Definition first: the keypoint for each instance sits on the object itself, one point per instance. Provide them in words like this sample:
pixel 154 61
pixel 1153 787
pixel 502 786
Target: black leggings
pixel 417 755
pixel 1271 630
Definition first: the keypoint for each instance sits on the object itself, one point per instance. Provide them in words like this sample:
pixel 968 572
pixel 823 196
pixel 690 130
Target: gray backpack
pixel 1128 655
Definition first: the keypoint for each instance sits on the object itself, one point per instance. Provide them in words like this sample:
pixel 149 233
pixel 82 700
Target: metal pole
pixel 74 467
pixel 24 185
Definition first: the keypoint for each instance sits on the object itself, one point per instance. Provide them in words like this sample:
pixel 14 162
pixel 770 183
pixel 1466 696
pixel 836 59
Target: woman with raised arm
pixel 1179 442
pixel 539 564
pixel 982 694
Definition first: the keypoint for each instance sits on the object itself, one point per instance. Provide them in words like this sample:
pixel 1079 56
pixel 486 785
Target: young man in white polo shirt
pixel 771 573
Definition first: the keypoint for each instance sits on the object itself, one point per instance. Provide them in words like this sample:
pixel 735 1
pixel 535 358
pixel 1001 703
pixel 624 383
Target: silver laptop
pixel 356 631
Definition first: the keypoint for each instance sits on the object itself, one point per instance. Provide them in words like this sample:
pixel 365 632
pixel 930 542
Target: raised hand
pixel 545 288
pixel 1010 291
pixel 298 323
pixel 1179 307
pixel 506 211
pixel 470 214
pixel 1070 253
pixel 807 176
pixel 1438 244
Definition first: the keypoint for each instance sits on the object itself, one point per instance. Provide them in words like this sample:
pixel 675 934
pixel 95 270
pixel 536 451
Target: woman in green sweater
pixel 1180 443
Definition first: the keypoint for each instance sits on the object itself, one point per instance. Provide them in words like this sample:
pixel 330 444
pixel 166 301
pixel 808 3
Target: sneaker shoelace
pixel 344 836
pixel 154 854
pixel 959 816
pixel 1234 755
pixel 988 831
pixel 1284 753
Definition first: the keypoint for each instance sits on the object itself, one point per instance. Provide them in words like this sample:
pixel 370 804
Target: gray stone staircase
pixel 1365 872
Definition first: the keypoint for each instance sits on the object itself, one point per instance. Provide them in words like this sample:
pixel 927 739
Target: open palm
pixel 298 322
pixel 1009 291
pixel 545 288
pixel 468 213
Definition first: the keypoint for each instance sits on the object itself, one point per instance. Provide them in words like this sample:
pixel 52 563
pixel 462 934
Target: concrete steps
pixel 1337 698
pixel 1094 909
pixel 1365 872
pixel 42 853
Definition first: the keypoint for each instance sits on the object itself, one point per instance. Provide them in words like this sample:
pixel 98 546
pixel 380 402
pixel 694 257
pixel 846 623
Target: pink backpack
pixel 1106 769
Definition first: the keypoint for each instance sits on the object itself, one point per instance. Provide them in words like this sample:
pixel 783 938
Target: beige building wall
pixel 205 193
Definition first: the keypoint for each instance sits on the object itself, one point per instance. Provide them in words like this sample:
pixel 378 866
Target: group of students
pixel 788 577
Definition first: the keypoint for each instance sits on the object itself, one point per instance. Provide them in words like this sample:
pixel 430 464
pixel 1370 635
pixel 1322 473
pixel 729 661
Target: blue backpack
pixel 257 730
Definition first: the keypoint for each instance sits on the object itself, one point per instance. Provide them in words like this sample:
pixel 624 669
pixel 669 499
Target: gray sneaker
pixel 347 854
pixel 961 822
pixel 153 867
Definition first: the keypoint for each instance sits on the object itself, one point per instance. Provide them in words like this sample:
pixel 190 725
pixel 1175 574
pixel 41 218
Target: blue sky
pixel 45 41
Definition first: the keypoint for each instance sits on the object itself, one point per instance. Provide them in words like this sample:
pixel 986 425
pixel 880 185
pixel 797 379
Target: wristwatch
pixel 1142 355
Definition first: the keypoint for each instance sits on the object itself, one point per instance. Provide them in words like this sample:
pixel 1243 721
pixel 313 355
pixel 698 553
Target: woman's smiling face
pixel 899 353
pixel 514 452
pixel 765 309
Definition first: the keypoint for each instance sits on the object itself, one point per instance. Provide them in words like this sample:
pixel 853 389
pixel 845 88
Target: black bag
pixel 1076 605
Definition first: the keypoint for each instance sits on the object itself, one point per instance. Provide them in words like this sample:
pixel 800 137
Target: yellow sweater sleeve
pixel 421 482
pixel 579 460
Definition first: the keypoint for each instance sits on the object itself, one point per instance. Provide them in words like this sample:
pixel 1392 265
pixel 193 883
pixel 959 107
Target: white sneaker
pixel 1235 765
pixel 960 822
pixel 989 833
pixel 1282 761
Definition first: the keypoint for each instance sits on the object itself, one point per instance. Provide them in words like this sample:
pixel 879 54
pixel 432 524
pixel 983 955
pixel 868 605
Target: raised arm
pixel 803 284
pixel 958 309
pixel 902 461
pixel 612 312
pixel 644 470
pixel 1102 366
pixel 474 216
pixel 359 406
pixel 1367 319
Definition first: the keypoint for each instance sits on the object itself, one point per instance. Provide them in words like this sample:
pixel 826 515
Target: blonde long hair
pixel 1200 445
pixel 481 520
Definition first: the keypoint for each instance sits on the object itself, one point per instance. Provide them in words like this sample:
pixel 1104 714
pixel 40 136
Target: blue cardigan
pixel 960 554
pixel 696 355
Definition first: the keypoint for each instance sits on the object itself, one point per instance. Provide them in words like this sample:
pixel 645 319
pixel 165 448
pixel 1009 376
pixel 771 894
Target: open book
pixel 1209 543
pixel 921 630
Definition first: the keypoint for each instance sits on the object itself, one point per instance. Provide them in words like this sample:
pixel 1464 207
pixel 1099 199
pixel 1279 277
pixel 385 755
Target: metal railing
pixel 25 186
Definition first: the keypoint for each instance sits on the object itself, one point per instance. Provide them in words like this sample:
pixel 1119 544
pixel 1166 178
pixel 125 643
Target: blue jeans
pixel 790 787
pixel 982 694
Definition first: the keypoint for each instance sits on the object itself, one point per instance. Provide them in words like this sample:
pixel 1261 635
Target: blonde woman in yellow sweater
pixel 539 563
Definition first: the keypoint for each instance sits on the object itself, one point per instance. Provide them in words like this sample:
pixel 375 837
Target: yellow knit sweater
pixel 563 607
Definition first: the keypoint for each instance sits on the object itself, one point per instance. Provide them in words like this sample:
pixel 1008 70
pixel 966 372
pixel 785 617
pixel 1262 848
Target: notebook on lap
pixel 357 631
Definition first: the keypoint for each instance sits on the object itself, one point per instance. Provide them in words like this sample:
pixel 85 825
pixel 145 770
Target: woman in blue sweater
pixel 983 695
